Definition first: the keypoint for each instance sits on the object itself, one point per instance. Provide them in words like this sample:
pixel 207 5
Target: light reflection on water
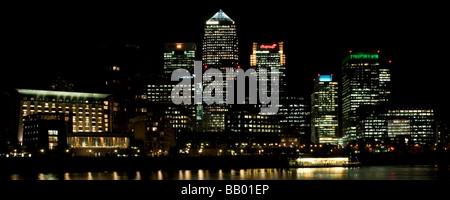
pixel 328 173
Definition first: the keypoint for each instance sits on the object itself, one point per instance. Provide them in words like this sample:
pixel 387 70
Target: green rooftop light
pixel 61 94
pixel 361 56
pixel 364 56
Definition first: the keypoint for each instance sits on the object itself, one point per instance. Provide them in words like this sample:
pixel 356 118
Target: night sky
pixel 46 41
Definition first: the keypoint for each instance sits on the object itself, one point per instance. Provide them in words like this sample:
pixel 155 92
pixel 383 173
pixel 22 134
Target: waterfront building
pixel 89 115
pixel 366 80
pixel 397 125
pixel 155 132
pixel 325 111
pixel 43 132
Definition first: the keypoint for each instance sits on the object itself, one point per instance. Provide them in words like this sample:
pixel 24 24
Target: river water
pixel 425 172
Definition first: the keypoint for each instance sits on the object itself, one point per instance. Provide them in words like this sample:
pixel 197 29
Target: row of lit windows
pixel 32 99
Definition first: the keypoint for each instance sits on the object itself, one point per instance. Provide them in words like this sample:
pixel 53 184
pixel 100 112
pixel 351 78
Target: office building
pixel 220 51
pixel 179 56
pixel 270 56
pixel 220 43
pixel 45 132
pixel 155 132
pixel 294 116
pixel 397 125
pixel 325 111
pixel 89 115
pixel 366 80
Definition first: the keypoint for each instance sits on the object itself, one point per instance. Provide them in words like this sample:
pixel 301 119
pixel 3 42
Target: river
pixel 417 172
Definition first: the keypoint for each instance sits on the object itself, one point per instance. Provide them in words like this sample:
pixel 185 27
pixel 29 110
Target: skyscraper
pixel 220 42
pixel 325 110
pixel 220 51
pixel 270 56
pixel 365 81
pixel 179 56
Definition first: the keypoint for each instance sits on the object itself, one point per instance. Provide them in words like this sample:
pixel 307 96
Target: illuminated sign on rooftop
pixel 325 78
pixel 273 46
pixel 364 56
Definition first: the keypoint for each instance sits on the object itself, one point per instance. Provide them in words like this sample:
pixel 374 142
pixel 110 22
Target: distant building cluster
pixel 135 116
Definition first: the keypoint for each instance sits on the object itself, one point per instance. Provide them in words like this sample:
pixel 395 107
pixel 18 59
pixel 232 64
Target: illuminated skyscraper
pixel 220 51
pixel 366 79
pixel 179 56
pixel 270 56
pixel 325 110
pixel 220 42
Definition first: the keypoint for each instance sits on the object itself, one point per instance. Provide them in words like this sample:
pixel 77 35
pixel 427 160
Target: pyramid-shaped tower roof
pixel 220 17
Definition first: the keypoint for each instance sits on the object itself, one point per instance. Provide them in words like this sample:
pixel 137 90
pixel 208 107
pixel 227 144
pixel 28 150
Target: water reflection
pixel 328 173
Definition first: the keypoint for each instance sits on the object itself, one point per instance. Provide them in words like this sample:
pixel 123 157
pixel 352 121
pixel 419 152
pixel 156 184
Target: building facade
pixel 155 132
pixel 270 56
pixel 220 43
pixel 397 125
pixel 89 115
pixel 325 111
pixel 179 56
pixel 220 51
pixel 45 132
pixel 366 80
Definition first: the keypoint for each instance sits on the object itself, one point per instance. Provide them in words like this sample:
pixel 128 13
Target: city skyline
pixel 318 47
pixel 87 93
pixel 212 43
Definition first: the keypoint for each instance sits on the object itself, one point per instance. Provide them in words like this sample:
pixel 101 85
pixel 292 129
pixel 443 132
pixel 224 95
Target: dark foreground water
pixel 425 172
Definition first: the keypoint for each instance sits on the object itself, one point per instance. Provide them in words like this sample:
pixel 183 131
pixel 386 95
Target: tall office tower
pixel 179 56
pixel 366 79
pixel 325 111
pixel 220 43
pixel 270 56
pixel 220 51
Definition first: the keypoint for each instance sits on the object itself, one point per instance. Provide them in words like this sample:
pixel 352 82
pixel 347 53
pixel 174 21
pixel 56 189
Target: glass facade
pixel 325 111
pixel 180 116
pixel 220 42
pixel 179 56
pixel 220 51
pixel 270 56
pixel 365 81
pixel 391 125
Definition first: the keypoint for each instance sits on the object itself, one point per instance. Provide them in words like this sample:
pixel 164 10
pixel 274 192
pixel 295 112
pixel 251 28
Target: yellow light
pixel 179 46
